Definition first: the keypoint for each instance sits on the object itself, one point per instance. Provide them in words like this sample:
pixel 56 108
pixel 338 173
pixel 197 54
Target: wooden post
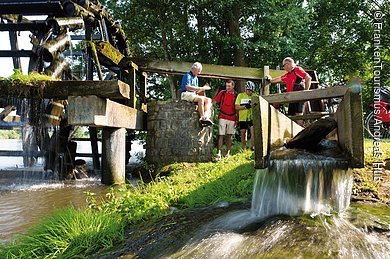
pixel 266 86
pixel 260 127
pixel 113 156
pixel 133 85
pixel 14 46
pixel 349 117
pixel 89 74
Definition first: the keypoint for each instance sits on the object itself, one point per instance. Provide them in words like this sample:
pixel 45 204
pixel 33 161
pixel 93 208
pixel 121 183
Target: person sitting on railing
pixel 191 92
pixel 296 79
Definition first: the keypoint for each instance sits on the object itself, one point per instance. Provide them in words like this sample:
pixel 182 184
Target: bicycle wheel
pixel 372 129
pixel 369 124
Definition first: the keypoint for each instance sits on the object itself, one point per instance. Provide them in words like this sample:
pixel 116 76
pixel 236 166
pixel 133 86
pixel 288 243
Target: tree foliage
pixel 333 37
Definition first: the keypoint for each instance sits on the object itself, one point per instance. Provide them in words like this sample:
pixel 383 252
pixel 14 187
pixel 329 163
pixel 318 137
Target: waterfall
pixel 298 182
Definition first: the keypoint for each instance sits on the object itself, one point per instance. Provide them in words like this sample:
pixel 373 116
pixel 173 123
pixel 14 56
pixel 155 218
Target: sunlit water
pixel 304 236
pixel 29 194
pixel 300 209
pixel 23 205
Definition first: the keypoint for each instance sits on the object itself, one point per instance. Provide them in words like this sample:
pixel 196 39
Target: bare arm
pixel 307 82
pixel 198 89
pixel 240 107
pixel 276 80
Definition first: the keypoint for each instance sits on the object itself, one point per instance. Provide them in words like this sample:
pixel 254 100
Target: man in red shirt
pixel 296 79
pixel 227 116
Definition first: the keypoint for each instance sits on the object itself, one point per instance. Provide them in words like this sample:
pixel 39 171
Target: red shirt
pixel 226 102
pixel 291 77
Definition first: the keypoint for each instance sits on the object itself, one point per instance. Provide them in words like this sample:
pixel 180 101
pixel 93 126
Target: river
pixel 27 197
pixel 263 230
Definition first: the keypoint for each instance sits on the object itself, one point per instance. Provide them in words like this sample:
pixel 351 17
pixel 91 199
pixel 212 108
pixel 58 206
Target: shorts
pixel 226 127
pixel 294 108
pixel 245 124
pixel 188 96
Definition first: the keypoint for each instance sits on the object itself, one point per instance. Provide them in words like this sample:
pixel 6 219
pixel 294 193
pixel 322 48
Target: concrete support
pixel 113 155
pixel 100 112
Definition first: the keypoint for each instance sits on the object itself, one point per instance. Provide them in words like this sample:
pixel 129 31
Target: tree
pixel 332 37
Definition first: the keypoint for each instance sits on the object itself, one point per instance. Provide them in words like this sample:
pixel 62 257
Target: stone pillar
pixel 175 134
pixel 113 155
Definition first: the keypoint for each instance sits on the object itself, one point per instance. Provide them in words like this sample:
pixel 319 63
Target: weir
pixel 300 182
pixel 317 177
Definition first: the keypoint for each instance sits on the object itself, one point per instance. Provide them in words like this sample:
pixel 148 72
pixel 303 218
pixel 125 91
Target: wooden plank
pixel 271 128
pixel 20 153
pixel 209 70
pixel 349 117
pixel 99 112
pixel 313 94
pixel 104 88
pixel 7 110
pixel 310 116
pixel 63 89
pixel 266 86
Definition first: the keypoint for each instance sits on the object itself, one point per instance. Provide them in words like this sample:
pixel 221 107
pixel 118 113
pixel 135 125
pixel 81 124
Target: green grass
pixel 67 234
pixel 384 147
pixel 188 186
pixel 19 77
pixel 72 233
pixel 364 184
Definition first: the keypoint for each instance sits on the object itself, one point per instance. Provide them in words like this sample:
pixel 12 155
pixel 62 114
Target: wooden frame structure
pixel 272 127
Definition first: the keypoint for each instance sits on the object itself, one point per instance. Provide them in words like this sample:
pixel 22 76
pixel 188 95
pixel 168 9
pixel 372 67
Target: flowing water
pixel 29 194
pixel 25 204
pixel 300 209
pixel 241 235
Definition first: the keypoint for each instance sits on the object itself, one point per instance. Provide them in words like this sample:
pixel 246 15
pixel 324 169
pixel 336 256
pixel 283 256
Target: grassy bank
pixel 72 233
pixel 365 187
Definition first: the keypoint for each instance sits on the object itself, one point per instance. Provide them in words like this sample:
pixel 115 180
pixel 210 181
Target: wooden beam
pixel 111 56
pixel 310 116
pixel 314 94
pixel 265 85
pixel 99 112
pixel 63 89
pixel 7 110
pixel 209 70
pixel 349 117
pixel 271 128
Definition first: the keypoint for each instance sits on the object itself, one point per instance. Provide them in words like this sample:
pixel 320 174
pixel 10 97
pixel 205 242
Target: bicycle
pixel 377 122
